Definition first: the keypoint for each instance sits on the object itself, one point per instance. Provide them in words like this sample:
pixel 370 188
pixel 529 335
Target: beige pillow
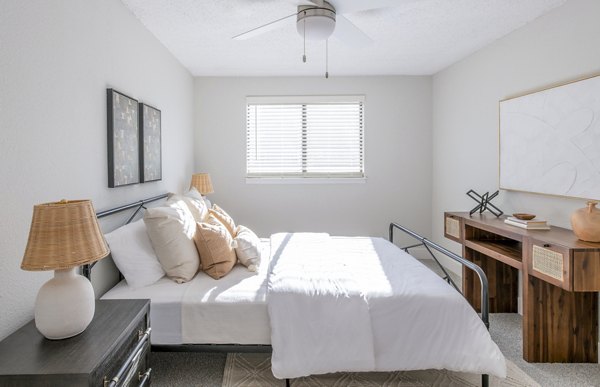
pixel 171 230
pixel 216 248
pixel 194 202
pixel 224 218
pixel 247 248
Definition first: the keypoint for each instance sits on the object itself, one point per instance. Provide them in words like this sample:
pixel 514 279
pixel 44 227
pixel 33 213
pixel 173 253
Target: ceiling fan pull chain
pixel 304 38
pixel 326 58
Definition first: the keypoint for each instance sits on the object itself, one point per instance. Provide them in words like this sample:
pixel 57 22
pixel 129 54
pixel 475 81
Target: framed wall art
pixel 550 141
pixel 150 143
pixel 123 139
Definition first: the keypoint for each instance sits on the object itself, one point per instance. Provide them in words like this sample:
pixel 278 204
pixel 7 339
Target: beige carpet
pixel 254 370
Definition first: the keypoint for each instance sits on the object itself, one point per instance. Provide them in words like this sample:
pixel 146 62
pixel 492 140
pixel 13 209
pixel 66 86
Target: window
pixel 305 137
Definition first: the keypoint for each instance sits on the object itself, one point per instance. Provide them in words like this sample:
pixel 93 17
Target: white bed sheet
pixel 165 307
pixel 231 310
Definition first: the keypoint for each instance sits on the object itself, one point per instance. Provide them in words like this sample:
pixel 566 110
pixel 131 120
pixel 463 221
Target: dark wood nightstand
pixel 117 342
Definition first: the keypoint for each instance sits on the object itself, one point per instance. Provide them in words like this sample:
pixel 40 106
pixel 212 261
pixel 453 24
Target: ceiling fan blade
pixel 350 6
pixel 275 24
pixel 349 33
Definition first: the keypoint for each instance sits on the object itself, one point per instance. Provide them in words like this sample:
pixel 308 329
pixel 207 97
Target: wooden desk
pixel 561 278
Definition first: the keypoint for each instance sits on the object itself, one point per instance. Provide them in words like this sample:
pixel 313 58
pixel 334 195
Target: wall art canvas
pixel 550 141
pixel 123 140
pixel 150 156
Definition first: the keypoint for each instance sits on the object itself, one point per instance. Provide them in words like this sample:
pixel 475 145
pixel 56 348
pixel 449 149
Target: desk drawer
pixel 453 227
pixel 550 263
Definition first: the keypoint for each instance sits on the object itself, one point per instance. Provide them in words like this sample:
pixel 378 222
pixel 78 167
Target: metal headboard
pixel 86 270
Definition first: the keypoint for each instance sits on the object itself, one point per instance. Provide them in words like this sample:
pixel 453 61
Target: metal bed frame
pixel 263 348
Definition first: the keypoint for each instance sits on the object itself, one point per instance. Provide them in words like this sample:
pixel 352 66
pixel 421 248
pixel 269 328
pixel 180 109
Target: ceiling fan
pixel 317 20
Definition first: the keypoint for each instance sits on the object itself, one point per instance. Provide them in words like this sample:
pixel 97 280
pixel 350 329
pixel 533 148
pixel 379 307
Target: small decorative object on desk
pixel 526 222
pixel 586 223
pixel 523 216
pixel 484 203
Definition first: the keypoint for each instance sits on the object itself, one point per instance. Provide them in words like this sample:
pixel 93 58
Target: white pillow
pixel 194 202
pixel 132 252
pixel 248 248
pixel 171 230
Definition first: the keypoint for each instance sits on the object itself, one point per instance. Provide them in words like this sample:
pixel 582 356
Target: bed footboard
pixel 485 311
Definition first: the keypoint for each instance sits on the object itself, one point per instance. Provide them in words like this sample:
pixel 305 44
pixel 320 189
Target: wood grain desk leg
pixel 558 326
pixel 503 283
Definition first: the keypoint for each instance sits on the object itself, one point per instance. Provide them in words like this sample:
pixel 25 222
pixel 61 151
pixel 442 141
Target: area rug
pixel 254 370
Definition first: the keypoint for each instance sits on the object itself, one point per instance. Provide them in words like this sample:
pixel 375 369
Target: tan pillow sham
pixel 224 218
pixel 216 248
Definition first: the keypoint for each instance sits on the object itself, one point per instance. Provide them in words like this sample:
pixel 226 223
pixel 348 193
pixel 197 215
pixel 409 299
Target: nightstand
pixel 116 343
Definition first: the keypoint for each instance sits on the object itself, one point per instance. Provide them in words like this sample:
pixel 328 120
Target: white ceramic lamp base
pixel 64 306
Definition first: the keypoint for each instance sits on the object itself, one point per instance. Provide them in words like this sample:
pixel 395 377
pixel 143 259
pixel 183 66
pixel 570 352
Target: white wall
pixel 397 157
pixel 558 47
pixel 56 60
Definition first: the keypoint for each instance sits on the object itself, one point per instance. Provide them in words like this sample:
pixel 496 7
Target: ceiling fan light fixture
pixel 316 23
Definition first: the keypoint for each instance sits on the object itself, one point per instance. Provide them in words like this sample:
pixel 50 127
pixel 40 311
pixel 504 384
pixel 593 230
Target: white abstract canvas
pixel 550 141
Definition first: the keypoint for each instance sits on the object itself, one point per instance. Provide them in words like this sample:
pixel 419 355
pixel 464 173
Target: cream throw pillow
pixel 171 230
pixel 224 218
pixel 248 248
pixel 216 248
pixel 194 202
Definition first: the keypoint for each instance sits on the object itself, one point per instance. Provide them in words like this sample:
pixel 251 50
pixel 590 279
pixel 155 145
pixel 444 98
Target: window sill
pixel 306 180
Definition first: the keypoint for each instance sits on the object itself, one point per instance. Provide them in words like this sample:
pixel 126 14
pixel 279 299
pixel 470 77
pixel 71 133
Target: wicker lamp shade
pixel 201 181
pixel 63 235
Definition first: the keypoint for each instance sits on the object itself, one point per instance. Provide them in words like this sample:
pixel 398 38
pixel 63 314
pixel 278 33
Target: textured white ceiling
pixel 416 37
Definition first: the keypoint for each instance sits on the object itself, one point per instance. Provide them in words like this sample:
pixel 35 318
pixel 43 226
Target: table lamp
pixel 63 236
pixel 201 181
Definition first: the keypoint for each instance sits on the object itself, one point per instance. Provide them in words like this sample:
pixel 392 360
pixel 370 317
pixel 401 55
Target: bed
pixel 310 297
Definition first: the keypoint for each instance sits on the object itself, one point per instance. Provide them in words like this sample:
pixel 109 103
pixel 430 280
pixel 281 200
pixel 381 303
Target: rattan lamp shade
pixel 63 235
pixel 201 181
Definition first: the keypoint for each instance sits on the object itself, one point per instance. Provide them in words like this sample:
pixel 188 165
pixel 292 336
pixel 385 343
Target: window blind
pixel 310 137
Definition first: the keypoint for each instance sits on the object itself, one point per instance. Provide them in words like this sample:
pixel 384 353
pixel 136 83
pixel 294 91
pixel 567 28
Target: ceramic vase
pixel 586 223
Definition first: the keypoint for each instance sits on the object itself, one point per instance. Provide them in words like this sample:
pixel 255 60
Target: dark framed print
pixel 123 139
pixel 150 144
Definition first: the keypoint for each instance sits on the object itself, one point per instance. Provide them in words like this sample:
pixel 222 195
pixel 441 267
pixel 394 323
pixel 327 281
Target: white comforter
pixel 362 304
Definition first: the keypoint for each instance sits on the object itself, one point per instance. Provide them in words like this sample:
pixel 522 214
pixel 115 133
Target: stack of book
pixel 527 224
